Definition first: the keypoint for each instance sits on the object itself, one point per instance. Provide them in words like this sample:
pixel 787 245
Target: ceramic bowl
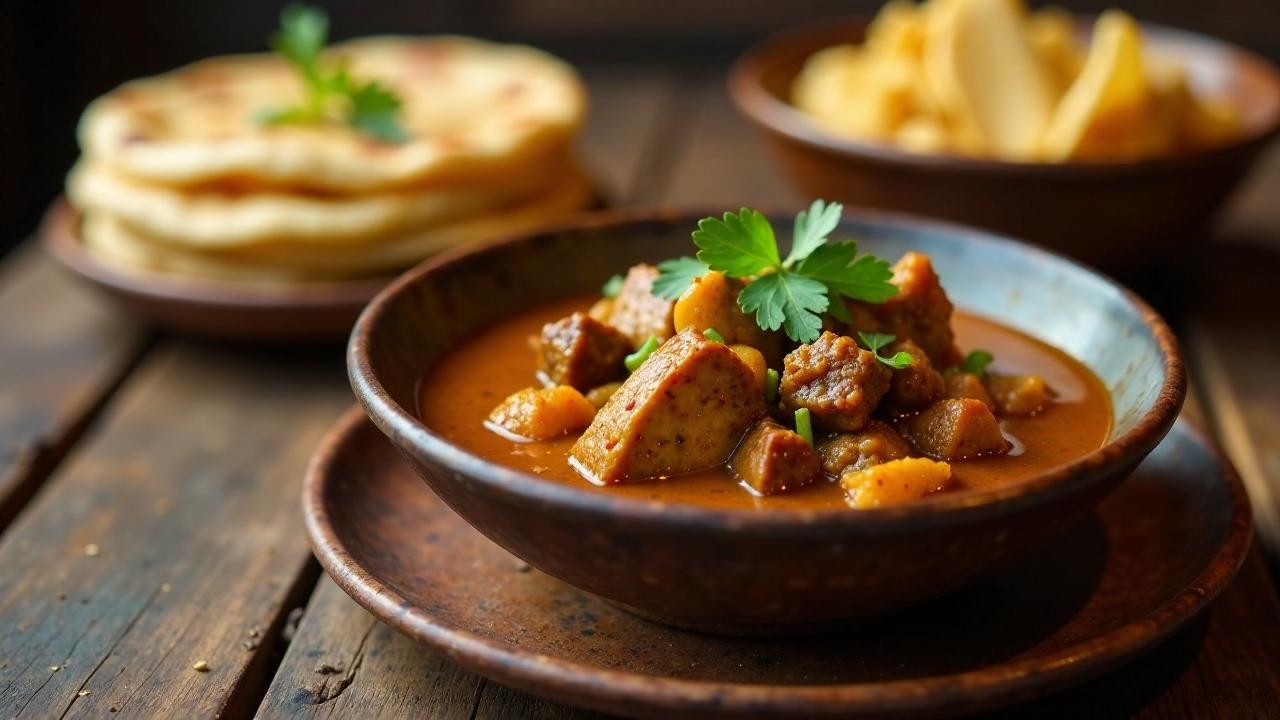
pixel 1114 215
pixel 775 572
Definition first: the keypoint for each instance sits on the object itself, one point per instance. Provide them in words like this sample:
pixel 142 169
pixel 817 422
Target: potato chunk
pixel 914 386
pixel 684 409
pixel 956 428
pixel 838 381
pixel 542 413
pixel 754 359
pixel 711 301
pixel 637 312
pixel 876 443
pixel 894 483
pixel 773 459
pixel 961 384
pixel 600 395
pixel 581 351
pixel 1018 394
pixel 920 311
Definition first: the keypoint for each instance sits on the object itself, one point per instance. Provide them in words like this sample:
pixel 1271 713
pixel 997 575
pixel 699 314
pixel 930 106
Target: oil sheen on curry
pixel 690 400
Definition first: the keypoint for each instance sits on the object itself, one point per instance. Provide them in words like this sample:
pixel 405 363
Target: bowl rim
pixel 405 429
pixel 777 116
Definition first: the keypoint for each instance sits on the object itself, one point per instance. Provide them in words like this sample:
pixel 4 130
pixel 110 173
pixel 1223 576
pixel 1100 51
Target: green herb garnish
pixel 612 287
pixel 790 294
pixel 804 425
pixel 875 341
pixel 976 362
pixel 332 95
pixel 771 381
pixel 637 358
pixel 713 336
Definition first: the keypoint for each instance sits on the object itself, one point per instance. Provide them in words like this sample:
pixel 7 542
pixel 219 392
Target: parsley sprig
pixel 875 341
pixel 332 95
pixel 790 293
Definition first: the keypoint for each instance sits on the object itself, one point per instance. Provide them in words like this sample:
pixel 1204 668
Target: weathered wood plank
pixel 344 663
pixel 63 350
pixel 171 536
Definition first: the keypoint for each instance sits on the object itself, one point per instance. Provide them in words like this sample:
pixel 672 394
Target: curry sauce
pixel 459 391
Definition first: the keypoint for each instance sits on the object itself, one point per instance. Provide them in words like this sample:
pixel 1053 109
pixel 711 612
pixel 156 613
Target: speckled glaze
pixel 1112 215
pixel 764 573
pixel 1105 591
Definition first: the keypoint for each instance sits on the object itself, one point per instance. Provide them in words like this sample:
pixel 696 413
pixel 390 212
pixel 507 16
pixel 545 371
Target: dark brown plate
pixel 1155 553
pixel 223 309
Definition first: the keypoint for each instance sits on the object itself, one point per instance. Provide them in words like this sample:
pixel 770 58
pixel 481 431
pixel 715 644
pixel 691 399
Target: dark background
pixel 56 56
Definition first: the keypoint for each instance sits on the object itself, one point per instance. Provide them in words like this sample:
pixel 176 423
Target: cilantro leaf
pixel 739 245
pixel 812 228
pixel 330 92
pixel 843 271
pixel 875 341
pixel 976 362
pixel 792 302
pixel 676 276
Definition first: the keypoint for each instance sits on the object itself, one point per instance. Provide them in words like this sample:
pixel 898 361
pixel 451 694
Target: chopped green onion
pixel 976 362
pixel 611 287
pixel 713 336
pixel 804 425
pixel 771 380
pixel 635 359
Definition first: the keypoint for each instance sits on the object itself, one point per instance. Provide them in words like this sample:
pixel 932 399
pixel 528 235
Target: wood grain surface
pixel 166 530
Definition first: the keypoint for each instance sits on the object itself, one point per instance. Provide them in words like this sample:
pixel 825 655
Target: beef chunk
pixel 961 384
pixel 581 351
pixel 637 312
pixel 684 409
pixel 876 443
pixel 542 413
pixel 712 302
pixel 600 395
pixel 1018 394
pixel 915 386
pixel 955 428
pixel 773 459
pixel 838 381
pixel 894 483
pixel 920 311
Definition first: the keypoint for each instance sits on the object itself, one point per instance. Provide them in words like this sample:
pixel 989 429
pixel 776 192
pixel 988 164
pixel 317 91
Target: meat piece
pixel 894 483
pixel 876 443
pixel 915 386
pixel 838 381
pixel 684 409
pixel 581 351
pixel 920 311
pixel 1018 394
pixel 773 459
pixel 961 384
pixel 711 301
pixel 955 428
pixel 542 413
pixel 598 396
pixel 637 312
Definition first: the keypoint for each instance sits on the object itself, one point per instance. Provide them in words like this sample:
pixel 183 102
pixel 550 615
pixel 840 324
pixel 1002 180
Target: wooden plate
pixel 1157 552
pixel 223 309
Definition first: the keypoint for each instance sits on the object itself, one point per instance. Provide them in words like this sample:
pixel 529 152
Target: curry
pixel 743 379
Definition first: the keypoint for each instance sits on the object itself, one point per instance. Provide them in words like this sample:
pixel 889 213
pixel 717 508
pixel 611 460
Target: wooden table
pixel 149 484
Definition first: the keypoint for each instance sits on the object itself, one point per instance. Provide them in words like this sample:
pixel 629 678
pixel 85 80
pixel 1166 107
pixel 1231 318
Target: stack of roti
pixel 179 175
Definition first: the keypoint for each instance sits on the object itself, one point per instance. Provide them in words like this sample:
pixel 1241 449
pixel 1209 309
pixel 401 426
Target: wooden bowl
pixel 221 309
pixel 776 572
pixel 1109 214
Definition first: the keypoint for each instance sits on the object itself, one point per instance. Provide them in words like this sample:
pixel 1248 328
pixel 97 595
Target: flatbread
pixel 213 218
pixel 107 237
pixel 473 109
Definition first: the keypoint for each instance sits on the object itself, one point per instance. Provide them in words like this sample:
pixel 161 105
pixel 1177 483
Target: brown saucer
pixel 222 309
pixel 1156 552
